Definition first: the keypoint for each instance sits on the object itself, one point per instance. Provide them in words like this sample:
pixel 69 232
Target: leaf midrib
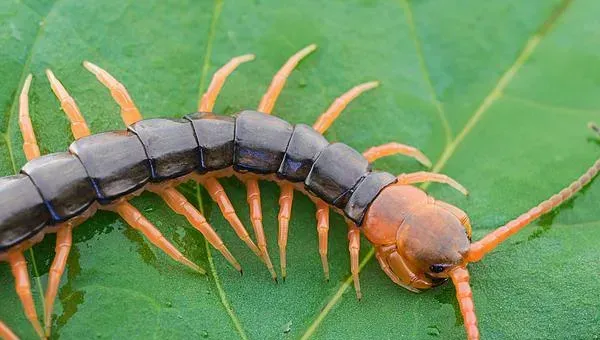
pixel 217 8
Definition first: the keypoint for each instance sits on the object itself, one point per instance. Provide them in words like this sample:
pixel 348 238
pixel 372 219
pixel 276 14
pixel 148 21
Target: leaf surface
pixel 498 94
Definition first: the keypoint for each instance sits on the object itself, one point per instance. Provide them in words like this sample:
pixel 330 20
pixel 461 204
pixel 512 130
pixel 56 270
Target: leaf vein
pixel 501 85
pixel 425 71
pixel 209 44
pixel 203 78
pixel 487 102
pixel 551 107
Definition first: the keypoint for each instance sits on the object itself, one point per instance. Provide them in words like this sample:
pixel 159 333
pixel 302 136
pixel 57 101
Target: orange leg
pixel 18 265
pixel 323 231
pixel 423 176
pixel 328 117
pixel 354 248
pixel 137 221
pixel 321 125
pixel 62 249
pixel 176 201
pixel 268 100
pixel 493 239
pixel 208 98
pixel 6 333
pixel 129 112
pixel 78 125
pixel 266 106
pixel 253 198
pixel 460 278
pixel 16 259
pixel 217 193
pixel 389 149
pixel 285 214
pixel 30 146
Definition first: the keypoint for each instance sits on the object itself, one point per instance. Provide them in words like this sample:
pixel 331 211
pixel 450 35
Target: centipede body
pixel 107 166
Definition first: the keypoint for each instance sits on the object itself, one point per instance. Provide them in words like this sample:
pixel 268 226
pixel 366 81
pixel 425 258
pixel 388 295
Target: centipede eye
pixel 437 268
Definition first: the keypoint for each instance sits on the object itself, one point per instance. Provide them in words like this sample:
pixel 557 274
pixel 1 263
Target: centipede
pixel 420 242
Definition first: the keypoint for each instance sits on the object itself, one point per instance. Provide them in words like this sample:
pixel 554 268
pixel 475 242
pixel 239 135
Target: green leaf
pixel 498 94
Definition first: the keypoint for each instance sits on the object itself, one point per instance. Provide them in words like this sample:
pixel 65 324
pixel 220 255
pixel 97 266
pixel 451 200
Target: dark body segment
pixel 365 193
pixel 335 174
pixel 22 210
pixel 63 184
pixel 170 146
pixel 303 149
pixel 260 142
pixel 107 166
pixel 215 137
pixel 116 162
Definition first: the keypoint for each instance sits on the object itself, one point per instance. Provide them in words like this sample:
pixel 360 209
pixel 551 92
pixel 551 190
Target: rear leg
pixel 16 259
pixel 130 214
pixel 333 112
pixel 30 146
pixel 321 125
pixel 266 106
pixel 177 202
pixel 137 221
pixel 354 249
pixel 129 112
pixel 78 125
pixel 389 149
pixel 253 198
pixel 423 176
pixel 268 100
pixel 322 215
pixel 64 241
pixel 208 98
pixel 216 191
pixel 18 266
pixel 285 214
pixel 6 333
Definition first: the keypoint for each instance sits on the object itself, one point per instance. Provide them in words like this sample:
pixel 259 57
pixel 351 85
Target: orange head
pixel 418 240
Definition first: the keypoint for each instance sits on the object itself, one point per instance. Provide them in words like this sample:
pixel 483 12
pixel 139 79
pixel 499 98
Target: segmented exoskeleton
pixel 420 242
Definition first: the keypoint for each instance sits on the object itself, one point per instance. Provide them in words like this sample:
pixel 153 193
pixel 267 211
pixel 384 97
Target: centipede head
pixel 419 241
